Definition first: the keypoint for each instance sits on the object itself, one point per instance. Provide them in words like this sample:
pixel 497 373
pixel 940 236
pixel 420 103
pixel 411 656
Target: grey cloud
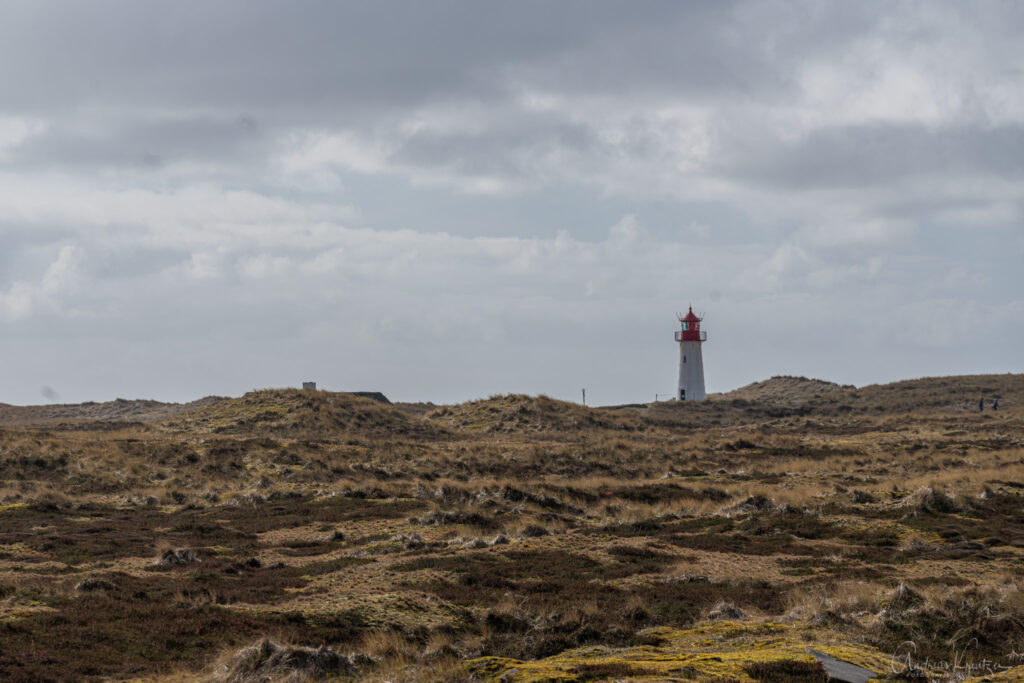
pixel 22 243
pixel 126 84
pixel 504 150
pixel 877 155
pixel 294 57
pixel 144 144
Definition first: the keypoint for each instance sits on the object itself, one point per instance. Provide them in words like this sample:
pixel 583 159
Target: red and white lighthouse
pixel 691 362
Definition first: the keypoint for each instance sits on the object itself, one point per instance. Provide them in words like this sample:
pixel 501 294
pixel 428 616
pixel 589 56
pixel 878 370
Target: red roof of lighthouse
pixel 690 317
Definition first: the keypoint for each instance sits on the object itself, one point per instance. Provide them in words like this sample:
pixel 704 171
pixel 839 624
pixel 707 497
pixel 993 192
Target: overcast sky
pixel 448 200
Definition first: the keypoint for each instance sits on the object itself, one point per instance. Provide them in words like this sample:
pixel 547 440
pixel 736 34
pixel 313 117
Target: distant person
pixel 981 404
pixel 995 404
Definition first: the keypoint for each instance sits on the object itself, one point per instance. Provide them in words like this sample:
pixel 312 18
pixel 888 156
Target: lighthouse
pixel 691 363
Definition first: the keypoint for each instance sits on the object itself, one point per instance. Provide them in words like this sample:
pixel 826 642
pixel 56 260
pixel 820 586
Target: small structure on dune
pixel 691 362
pixel 372 395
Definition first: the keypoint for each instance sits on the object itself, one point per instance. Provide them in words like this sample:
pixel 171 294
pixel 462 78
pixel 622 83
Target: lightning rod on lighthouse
pixel 691 362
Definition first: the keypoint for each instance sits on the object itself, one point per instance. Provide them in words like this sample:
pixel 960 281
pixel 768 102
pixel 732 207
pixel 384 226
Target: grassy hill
pixel 298 412
pixel 925 394
pixel 117 413
pixel 787 390
pixel 528 415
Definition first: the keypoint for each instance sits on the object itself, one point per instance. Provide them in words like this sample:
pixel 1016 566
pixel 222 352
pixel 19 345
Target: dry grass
pixel 407 544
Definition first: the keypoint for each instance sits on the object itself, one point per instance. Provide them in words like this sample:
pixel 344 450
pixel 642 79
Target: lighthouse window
pixel 686 326
pixel 684 359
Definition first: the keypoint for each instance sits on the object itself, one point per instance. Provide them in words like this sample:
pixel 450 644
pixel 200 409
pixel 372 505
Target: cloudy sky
pixel 447 200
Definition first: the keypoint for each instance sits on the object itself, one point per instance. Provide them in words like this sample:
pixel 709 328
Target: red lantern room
pixel 691 328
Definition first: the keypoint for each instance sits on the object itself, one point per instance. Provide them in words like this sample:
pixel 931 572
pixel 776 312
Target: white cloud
pixel 16 130
pixel 63 274
pixel 17 301
pixel 53 292
pixel 193 214
pixel 858 231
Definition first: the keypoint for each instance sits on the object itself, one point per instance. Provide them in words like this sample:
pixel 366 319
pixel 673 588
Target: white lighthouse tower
pixel 691 363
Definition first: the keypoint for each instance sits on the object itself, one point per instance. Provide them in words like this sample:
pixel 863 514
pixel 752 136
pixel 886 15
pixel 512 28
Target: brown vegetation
pixel 309 534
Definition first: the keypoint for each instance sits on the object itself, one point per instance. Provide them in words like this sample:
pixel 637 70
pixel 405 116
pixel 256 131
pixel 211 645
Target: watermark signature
pixel 961 663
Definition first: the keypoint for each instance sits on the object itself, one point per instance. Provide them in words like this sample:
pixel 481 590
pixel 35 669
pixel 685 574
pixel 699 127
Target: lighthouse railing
pixel 703 336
